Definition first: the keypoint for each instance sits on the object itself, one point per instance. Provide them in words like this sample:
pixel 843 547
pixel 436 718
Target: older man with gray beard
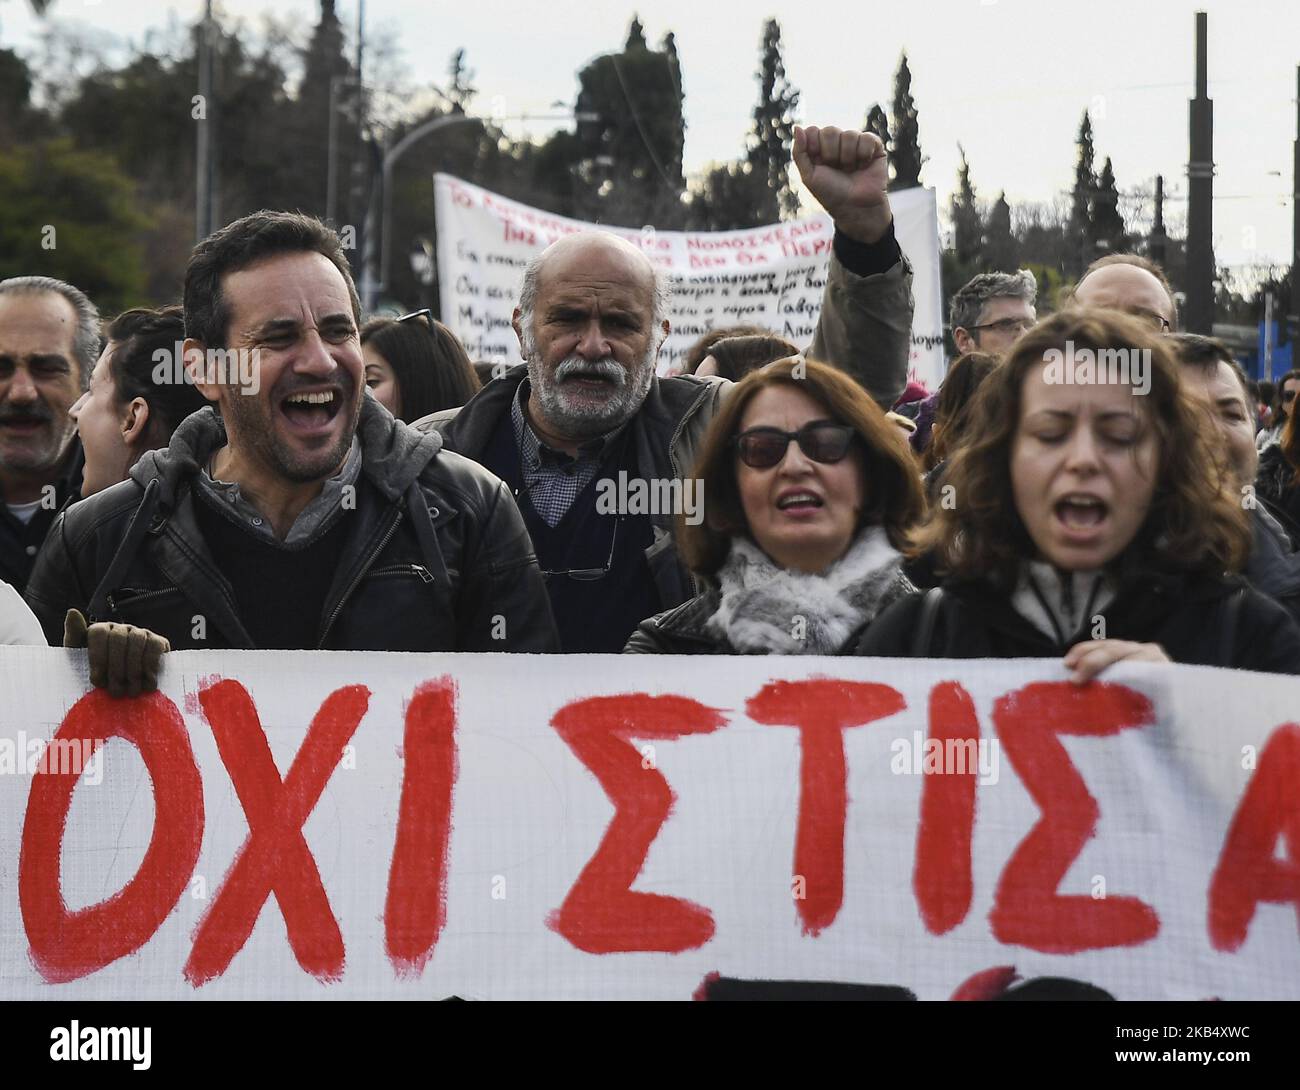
pixel 587 408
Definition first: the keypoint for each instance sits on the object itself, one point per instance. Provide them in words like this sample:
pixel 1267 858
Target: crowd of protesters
pixel 289 476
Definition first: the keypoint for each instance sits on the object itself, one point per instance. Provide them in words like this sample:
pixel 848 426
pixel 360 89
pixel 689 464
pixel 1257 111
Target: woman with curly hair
pixel 809 493
pixel 1089 519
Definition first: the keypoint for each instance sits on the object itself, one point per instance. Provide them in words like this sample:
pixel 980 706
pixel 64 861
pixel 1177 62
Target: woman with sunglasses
pixel 415 365
pixel 809 492
pixel 1092 520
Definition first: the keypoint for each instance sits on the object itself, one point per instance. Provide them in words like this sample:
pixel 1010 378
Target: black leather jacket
pixel 1193 617
pixel 436 556
pixel 1273 567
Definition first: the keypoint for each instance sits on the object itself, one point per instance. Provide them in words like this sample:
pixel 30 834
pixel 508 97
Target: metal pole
pixel 203 149
pixel 1268 336
pixel 1295 224
pixel 1200 175
pixel 369 258
pixel 332 169
pixel 361 36
pixel 356 184
pixel 386 230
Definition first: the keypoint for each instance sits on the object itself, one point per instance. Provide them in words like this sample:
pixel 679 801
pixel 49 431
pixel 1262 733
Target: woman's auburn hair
pixel 952 410
pixel 894 499
pixel 1195 522
pixel 1290 438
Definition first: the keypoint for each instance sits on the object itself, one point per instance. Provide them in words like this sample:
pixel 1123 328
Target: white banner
pixel 365 825
pixel 772 276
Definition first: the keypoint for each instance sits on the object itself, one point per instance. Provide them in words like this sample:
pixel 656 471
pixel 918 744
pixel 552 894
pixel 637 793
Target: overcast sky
pixel 1009 79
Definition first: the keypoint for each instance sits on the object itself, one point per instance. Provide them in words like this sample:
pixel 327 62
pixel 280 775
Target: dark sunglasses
pixel 1288 396
pixel 822 441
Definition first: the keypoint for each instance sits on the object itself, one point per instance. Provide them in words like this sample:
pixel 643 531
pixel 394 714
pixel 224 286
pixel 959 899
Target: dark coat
pixel 435 553
pixel 20 542
pixel 1189 616
pixel 1273 567
pixel 683 631
pixel 1275 482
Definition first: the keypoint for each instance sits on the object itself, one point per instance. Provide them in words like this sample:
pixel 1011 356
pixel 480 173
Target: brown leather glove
pixel 124 659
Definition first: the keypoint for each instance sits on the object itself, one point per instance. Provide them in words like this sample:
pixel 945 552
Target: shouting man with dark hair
pixel 296 512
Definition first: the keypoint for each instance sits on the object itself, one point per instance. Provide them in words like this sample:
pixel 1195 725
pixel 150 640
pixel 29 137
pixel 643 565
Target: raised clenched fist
pixel 847 171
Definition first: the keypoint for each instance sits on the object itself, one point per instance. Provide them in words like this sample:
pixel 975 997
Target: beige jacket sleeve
pixel 865 328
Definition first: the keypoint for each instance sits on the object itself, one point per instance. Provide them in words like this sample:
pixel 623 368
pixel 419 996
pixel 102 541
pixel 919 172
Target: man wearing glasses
pixel 588 407
pixel 991 310
pixel 1131 283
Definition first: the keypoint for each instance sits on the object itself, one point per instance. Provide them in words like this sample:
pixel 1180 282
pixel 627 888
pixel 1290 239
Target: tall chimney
pixel 1156 243
pixel 1199 317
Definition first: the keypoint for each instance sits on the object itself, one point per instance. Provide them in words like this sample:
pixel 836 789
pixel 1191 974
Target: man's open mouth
pixel 313 410
pixel 589 378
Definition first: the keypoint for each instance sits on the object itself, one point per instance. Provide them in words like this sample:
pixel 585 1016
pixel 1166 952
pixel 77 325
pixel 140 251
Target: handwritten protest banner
pixel 772 276
pixel 315 824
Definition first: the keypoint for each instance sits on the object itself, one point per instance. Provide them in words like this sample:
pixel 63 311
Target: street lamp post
pixel 374 280
pixel 386 195
pixel 204 171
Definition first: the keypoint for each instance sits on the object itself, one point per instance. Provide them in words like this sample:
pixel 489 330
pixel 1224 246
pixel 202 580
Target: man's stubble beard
pixel 44 458
pixel 257 434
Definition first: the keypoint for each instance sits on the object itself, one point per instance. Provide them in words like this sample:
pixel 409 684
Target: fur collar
pixel 767 609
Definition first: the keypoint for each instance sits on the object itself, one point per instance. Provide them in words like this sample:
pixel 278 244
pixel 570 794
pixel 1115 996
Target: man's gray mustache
pixel 575 367
pixel 19 416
